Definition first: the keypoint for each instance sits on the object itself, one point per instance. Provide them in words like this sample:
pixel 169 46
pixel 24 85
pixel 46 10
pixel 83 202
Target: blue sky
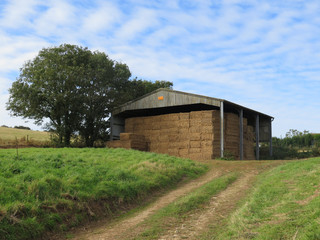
pixel 263 54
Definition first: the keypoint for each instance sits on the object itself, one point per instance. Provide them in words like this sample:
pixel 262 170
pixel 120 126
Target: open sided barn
pixel 189 125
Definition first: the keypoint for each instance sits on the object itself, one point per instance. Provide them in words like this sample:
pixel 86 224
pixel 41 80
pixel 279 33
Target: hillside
pixel 54 189
pixel 25 137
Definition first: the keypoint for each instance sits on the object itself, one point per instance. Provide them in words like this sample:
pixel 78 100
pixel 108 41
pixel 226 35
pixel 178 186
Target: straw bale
pixel 148 126
pixel 206 143
pixel 148 132
pixel 232 133
pixel 206 121
pixel 128 127
pixel 231 116
pixel 206 129
pixel 195 122
pixel 174 144
pixel 183 151
pixel 195 115
pixel 169 131
pixel 163 145
pixel 195 136
pixel 194 129
pixel 173 151
pixel 165 124
pixel 114 144
pixel 138 127
pixel 206 148
pixel 207 114
pixel 153 147
pixel 184 123
pixel 156 126
pixel 131 136
pixel 206 136
pixel 126 144
pixel 216 114
pixel 174 138
pixel 195 156
pixel 164 138
pixel 232 138
pixel 184 133
pixel 195 144
pixel 184 116
pixel 171 117
pixel 184 144
pixel 162 150
pixel 207 156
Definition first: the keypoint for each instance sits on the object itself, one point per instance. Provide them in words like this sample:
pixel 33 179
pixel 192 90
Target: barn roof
pixel 166 100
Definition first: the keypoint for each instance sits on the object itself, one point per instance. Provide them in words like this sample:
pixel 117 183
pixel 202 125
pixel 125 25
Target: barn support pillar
pixel 221 130
pixel 270 137
pixel 241 134
pixel 257 137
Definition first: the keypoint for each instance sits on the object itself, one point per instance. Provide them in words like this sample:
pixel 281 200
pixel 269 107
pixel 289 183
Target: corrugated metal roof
pixel 169 98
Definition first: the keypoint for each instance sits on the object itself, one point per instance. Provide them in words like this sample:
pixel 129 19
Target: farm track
pixel 218 208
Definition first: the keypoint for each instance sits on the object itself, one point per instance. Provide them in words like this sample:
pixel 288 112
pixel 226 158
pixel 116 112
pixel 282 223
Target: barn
pixel 190 126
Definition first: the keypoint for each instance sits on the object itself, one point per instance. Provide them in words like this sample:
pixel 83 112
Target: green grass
pixel 54 189
pixel 181 208
pixel 285 204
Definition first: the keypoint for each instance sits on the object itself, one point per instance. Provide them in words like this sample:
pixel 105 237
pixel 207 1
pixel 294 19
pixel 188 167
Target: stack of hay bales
pixel 232 137
pixel 249 143
pixel 194 135
pixel 189 135
pixel 129 141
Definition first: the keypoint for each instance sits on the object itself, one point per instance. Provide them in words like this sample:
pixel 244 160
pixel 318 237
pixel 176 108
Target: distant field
pixel 9 135
pixel 45 189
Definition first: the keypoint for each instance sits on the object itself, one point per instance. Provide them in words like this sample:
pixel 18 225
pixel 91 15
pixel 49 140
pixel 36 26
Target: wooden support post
pixel 257 137
pixel 221 130
pixel 241 134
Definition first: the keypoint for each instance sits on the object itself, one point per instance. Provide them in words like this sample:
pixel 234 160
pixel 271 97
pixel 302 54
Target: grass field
pixel 8 136
pixel 284 204
pixel 54 189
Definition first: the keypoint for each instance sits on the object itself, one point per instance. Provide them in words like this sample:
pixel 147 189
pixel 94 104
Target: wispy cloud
pixel 262 54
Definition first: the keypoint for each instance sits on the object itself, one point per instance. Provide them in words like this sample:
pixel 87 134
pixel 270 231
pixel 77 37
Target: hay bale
pixel 184 116
pixel 195 136
pixel 207 136
pixel 195 144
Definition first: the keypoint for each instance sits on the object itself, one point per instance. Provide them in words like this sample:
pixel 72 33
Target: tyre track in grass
pixel 119 229
pixel 217 209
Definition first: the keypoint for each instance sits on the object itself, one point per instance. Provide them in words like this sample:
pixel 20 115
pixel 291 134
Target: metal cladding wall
pixel 194 135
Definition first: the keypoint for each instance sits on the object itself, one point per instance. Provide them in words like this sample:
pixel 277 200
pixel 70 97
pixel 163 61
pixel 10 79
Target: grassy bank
pixel 283 205
pixel 54 189
pixel 181 209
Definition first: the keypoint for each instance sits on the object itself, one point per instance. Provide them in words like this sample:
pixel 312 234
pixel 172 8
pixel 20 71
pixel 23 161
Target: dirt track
pixel 218 208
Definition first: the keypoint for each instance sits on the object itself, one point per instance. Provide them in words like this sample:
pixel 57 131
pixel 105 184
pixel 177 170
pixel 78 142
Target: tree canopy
pixel 74 90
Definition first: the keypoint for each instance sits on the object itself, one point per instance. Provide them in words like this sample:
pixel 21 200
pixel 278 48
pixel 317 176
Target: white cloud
pixel 16 13
pixel 103 17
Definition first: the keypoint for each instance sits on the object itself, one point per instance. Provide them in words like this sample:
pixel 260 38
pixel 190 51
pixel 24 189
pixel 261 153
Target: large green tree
pixel 73 90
